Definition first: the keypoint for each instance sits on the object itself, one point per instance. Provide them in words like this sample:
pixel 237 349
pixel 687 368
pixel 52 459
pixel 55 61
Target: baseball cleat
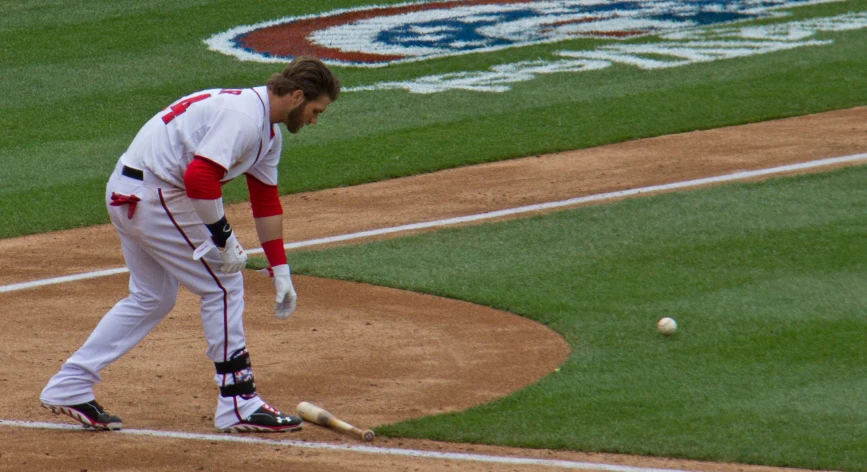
pixel 266 420
pixel 90 414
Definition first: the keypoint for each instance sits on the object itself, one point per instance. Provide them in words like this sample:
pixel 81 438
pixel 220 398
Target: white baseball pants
pixel 158 243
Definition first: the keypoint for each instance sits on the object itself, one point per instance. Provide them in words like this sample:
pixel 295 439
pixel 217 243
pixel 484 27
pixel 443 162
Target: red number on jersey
pixel 180 107
pixel 231 91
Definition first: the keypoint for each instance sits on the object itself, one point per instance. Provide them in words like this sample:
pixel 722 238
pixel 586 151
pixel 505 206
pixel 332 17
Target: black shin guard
pixel 238 366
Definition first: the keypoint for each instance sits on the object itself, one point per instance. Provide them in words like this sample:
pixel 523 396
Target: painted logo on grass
pixel 380 35
pixel 677 48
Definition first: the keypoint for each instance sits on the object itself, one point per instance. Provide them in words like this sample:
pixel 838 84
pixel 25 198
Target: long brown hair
pixel 308 74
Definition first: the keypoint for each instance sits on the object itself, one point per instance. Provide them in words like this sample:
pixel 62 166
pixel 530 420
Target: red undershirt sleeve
pixel 264 199
pixel 202 179
pixel 265 202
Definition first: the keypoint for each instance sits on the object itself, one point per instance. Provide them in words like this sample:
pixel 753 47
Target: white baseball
pixel 666 326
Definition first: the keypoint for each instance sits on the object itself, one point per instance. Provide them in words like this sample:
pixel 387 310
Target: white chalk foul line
pixel 579 200
pixel 493 214
pixel 453 456
pixel 64 279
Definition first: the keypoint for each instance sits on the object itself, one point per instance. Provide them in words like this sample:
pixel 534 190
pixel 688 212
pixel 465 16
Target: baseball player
pixel 164 199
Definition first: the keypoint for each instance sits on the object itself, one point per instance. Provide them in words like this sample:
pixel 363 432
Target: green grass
pixel 86 77
pixel 765 280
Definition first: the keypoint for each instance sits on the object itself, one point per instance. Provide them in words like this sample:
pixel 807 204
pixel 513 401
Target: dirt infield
pixel 370 354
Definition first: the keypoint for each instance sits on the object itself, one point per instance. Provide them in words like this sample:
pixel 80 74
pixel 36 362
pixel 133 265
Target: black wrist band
pixel 220 231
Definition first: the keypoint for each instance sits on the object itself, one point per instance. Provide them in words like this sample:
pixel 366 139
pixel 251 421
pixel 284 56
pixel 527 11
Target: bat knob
pixel 368 435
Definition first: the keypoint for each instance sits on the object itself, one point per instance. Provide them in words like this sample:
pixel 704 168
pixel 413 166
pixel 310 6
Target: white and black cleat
pixel 90 414
pixel 266 420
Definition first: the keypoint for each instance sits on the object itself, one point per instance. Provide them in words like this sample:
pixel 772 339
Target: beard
pixel 295 120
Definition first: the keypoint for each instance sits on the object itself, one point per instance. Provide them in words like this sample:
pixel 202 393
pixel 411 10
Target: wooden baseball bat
pixel 322 417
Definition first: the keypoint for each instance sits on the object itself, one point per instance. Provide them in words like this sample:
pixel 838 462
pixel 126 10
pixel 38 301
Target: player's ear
pixel 298 96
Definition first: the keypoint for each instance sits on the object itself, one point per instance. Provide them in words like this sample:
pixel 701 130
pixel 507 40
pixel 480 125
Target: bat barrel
pixel 322 417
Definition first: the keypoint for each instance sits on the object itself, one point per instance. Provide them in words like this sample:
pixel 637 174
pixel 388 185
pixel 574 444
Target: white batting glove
pixel 233 255
pixel 286 296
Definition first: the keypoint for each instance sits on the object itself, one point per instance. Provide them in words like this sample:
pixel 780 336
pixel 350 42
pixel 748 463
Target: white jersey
pixel 230 127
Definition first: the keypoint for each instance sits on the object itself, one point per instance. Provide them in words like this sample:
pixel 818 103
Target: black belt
pixel 132 173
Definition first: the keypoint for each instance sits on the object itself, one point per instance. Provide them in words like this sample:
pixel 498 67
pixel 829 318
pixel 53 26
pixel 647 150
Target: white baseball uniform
pixel 160 231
